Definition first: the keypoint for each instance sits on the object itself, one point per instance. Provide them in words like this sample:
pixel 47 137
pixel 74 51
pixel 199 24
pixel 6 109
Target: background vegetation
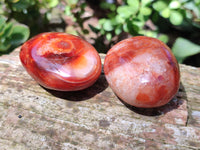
pixel 105 22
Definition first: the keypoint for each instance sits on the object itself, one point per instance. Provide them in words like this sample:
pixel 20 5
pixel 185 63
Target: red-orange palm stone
pixel 61 61
pixel 142 71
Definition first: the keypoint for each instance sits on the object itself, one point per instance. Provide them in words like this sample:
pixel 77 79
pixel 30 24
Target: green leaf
pixel 1 8
pixel 113 7
pixel 194 8
pixel 83 5
pixel 7 30
pixel 109 36
pixel 119 19
pixel 125 27
pixel 108 25
pixel 19 34
pixel 159 5
pixel 145 11
pixel 118 29
pixel 53 3
pixel 138 23
pixel 166 13
pixel 134 4
pixel 4 46
pixel 189 15
pixel 68 10
pixel 2 24
pixel 183 48
pixel 176 18
pixel 145 2
pixel 2 21
pixel 150 34
pixel 102 21
pixel 132 28
pixel 2 30
pixel 126 11
pixel 174 4
pixel 163 38
pixel 102 31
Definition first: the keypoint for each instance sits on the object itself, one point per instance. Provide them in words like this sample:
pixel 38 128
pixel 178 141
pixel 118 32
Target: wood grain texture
pixel 32 117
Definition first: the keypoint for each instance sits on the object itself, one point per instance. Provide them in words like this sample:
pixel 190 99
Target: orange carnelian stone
pixel 61 61
pixel 142 71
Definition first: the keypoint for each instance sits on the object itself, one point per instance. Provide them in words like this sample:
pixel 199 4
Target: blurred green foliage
pixel 132 16
pixel 21 19
pixel 11 35
pixel 183 15
pixel 154 18
pixel 183 48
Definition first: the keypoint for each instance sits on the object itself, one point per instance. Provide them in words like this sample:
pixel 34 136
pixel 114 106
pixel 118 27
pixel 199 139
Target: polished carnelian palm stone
pixel 142 71
pixel 61 61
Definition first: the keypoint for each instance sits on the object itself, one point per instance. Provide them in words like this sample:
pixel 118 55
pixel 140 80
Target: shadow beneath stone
pixel 99 86
pixel 175 102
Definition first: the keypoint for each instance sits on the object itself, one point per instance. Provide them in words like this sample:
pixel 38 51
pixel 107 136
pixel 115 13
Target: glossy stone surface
pixel 61 61
pixel 142 71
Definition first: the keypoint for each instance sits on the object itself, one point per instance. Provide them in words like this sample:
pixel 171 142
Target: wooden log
pixel 33 117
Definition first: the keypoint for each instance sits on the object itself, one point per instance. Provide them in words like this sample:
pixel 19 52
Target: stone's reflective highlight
pixel 142 71
pixel 61 61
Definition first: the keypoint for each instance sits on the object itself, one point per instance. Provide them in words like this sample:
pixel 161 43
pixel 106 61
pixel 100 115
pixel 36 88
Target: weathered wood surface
pixel 35 118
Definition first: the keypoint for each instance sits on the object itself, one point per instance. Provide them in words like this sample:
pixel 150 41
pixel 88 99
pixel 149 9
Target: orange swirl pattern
pixel 61 61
